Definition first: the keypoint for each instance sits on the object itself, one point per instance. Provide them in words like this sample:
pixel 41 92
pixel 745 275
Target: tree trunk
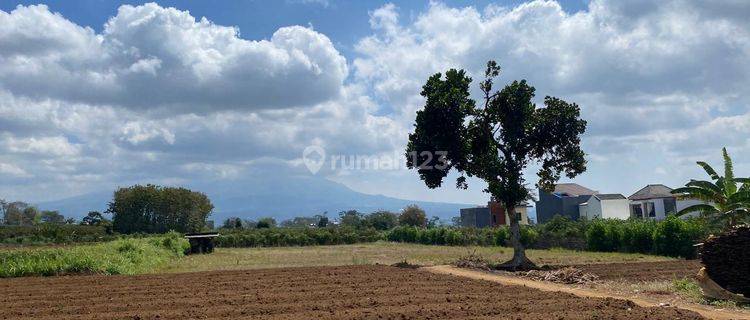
pixel 519 261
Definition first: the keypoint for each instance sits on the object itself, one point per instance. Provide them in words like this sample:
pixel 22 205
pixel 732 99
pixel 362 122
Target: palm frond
pixel 745 183
pixel 720 182
pixel 704 209
pixel 705 185
pixel 730 186
pixel 698 194
pixel 740 197
pixel 711 172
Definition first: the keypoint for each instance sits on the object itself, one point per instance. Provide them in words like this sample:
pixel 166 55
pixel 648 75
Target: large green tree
pixel 51 216
pixel 413 216
pixel 381 220
pixel 496 141
pixel 726 198
pixel 19 213
pixel 156 209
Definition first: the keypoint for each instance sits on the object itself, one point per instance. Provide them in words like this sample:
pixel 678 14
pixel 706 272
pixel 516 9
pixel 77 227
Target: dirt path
pixel 705 311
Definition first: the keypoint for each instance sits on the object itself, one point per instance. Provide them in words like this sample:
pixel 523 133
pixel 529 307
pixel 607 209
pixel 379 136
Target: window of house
pixel 650 209
pixel 669 206
pixel 636 210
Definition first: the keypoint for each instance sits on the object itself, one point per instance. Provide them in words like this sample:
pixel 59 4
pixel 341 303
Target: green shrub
pixel 124 256
pixel 277 237
pixel 500 236
pixel 637 236
pixel 563 227
pixel 529 236
pixel 676 237
pixel 604 235
pixel 52 233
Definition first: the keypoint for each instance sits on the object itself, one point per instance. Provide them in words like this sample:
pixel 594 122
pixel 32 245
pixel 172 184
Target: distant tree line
pixel 381 220
pixel 19 213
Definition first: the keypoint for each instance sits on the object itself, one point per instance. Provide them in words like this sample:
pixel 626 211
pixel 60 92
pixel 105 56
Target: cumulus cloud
pixel 636 68
pixel 660 83
pixel 149 57
pixel 44 146
pixel 12 170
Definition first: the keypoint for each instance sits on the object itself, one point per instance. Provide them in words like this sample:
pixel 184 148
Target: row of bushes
pixel 279 237
pixel 672 237
pixel 53 233
pixel 123 256
pixel 460 236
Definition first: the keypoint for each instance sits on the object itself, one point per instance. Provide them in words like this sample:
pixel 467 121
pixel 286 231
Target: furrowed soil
pixel 352 292
pixel 644 271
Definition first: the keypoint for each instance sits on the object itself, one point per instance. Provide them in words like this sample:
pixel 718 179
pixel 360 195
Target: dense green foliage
pixel 380 220
pixel 52 233
pixel 156 209
pixel 124 256
pixel 23 214
pixel 278 237
pixel 413 216
pixel 671 237
pixel 460 236
pixel 722 200
pixel 495 141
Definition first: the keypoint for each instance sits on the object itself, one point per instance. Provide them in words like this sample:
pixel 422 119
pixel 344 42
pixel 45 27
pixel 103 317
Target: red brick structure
pixel 497 212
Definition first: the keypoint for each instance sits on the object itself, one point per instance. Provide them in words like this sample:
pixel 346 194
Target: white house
pixel 605 206
pixel 656 201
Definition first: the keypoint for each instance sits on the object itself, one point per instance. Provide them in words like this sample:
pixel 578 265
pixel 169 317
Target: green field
pixel 122 256
pixel 379 252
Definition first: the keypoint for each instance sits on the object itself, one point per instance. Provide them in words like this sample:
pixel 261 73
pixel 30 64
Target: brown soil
pixel 355 292
pixel 586 292
pixel 644 271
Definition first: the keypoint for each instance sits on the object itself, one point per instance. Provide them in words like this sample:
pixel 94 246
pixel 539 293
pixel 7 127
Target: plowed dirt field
pixel 354 292
pixel 644 271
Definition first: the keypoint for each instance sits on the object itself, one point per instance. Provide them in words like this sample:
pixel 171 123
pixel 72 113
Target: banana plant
pixel 723 201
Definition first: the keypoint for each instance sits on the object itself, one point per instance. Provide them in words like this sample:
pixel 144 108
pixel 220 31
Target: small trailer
pixel 201 242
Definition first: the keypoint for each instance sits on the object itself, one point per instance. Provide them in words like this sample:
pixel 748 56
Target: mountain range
pixel 280 197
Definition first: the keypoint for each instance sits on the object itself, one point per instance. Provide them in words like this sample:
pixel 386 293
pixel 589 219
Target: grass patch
pixel 687 288
pixel 690 290
pixel 381 253
pixel 124 256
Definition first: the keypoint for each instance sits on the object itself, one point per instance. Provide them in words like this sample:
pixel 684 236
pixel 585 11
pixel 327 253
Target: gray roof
pixel 573 189
pixel 652 191
pixel 609 196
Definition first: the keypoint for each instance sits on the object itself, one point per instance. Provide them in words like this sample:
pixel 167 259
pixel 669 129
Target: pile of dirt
pixel 567 275
pixel 352 292
pixel 727 259
pixel 406 264
pixel 473 261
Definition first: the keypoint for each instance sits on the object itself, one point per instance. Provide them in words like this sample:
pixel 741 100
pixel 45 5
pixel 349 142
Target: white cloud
pixel 149 57
pixel 660 83
pixel 44 146
pixel 12 170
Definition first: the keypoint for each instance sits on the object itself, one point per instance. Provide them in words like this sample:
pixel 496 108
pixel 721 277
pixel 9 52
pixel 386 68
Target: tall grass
pixel 52 233
pixel 124 256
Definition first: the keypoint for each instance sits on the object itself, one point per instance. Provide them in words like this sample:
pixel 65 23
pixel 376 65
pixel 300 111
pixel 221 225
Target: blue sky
pixel 152 93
